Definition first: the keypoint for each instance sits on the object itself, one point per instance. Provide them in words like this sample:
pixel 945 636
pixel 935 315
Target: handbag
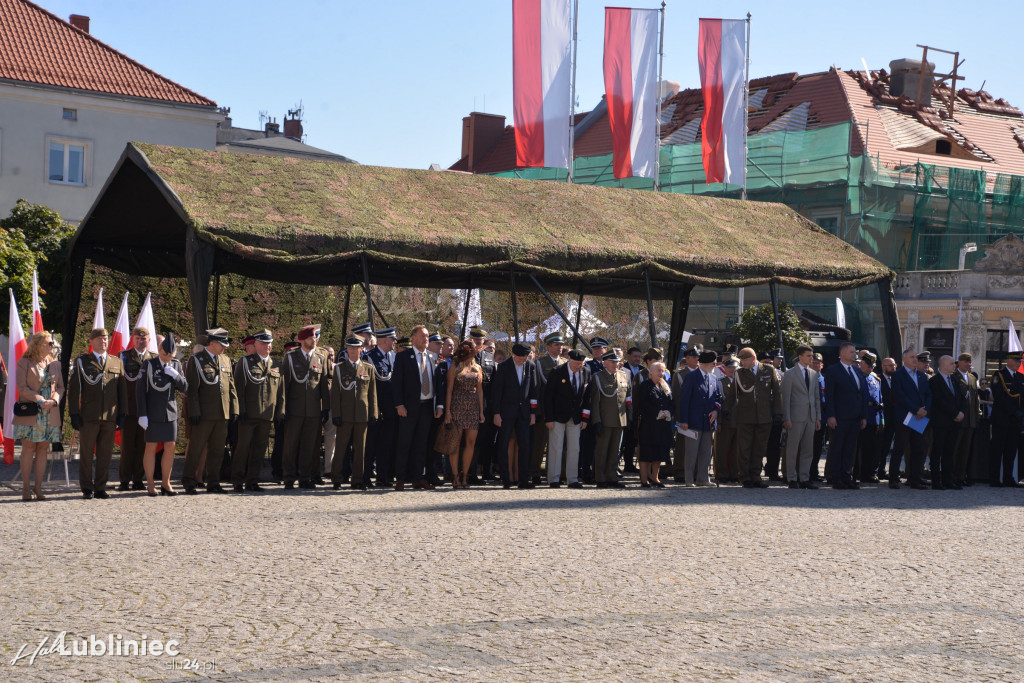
pixel 22 409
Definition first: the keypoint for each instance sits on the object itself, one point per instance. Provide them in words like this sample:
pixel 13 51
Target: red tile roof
pixel 38 47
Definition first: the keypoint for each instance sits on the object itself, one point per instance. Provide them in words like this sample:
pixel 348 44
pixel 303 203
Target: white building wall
pixel 30 117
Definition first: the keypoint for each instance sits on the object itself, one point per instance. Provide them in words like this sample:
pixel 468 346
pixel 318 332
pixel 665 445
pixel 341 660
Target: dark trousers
pixel 383 437
pixel 867 452
pixel 628 449
pixel 209 434
pixel 773 452
pixel 820 437
pixel 962 455
pixel 944 438
pixel 411 445
pixel 277 454
pixel 97 438
pixel 133 445
pixel 843 448
pixel 588 445
pixel 483 451
pixel 885 444
pixel 247 460
pixel 914 447
pixel 1003 451
pixel 520 426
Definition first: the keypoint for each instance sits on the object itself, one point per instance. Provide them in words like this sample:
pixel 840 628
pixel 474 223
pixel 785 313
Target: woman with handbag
pixel 37 412
pixel 464 412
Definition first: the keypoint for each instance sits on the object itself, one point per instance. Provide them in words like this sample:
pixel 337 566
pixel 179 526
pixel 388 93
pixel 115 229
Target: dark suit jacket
pixel 159 405
pixel 561 403
pixel 510 399
pixel 945 403
pixel 694 402
pixel 649 400
pixel 407 381
pixel 844 398
pixel 908 398
pixel 888 400
pixel 1006 397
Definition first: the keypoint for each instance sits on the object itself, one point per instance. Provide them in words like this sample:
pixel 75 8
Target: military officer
pixel 867 440
pixel 260 389
pixel 758 404
pixel 551 359
pixel 725 448
pixel 972 414
pixel 97 398
pixel 133 437
pixel 353 405
pixel 307 397
pixel 588 437
pixel 611 400
pixel 161 377
pixel 381 441
pixel 212 402
pixel 365 332
pixel 1007 418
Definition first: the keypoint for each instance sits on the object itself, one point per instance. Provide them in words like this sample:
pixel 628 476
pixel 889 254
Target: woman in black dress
pixel 652 411
pixel 158 410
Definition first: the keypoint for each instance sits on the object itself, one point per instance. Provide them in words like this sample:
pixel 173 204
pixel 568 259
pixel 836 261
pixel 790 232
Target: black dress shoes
pixel 289 485
pixel 238 488
pixel 810 485
pixel 215 488
pixel 190 490
pixel 307 484
pixel 575 485
pixel 872 480
pixel 152 494
pixel 337 486
pixel 361 486
pixel 101 495
pixel 124 487
pixel 555 485
pixel 138 486
pixel 87 494
pixel 794 484
pixel 168 492
pixel 254 487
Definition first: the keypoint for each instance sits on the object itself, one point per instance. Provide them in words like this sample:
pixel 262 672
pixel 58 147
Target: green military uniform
pixel 726 451
pixel 545 365
pixel 758 400
pixel 133 437
pixel 97 396
pixel 353 405
pixel 260 389
pixel 212 401
pixel 611 396
pixel 307 387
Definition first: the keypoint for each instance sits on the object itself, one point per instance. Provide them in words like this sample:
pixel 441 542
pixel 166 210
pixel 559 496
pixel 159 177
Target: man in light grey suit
pixel 801 412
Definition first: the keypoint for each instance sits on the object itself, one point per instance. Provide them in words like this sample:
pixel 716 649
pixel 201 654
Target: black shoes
pixel 307 484
pixel 190 490
pixel 87 494
pixel 256 488
pixel 124 487
pixel 166 492
pixel 215 488
pixel 794 484
pixel 138 486
pixel 529 485
pixel 289 485
pixel 359 485
pixel 809 485
pixel 645 485
pixel 238 488
pixel 575 485
pixel 555 485
pixel 101 495
pixel 616 485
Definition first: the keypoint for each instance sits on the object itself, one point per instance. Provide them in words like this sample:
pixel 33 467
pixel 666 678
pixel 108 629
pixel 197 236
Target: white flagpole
pixel 657 87
pixel 746 106
pixel 572 90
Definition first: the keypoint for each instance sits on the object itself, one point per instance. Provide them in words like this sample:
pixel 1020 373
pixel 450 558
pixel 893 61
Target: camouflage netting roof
pixel 296 220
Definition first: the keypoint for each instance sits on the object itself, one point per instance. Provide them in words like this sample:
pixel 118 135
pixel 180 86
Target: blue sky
pixel 389 83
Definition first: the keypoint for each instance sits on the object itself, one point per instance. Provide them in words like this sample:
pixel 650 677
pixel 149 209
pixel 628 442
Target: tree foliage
pixel 35 237
pixel 757 325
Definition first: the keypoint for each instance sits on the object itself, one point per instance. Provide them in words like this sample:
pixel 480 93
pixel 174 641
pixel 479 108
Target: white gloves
pixel 170 372
pixel 144 422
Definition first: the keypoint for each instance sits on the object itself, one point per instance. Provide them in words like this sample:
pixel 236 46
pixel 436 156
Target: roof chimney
pixel 79 21
pixel 271 129
pixel 480 132
pixel 293 128
pixel 905 79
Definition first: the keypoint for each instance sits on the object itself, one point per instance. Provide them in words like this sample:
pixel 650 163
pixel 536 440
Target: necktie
pixel 949 383
pixel 425 378
pixel 575 384
pixel 807 380
pixel 855 382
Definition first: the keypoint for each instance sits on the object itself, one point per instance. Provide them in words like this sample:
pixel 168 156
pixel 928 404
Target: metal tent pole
pixel 559 311
pixel 650 308
pixel 465 309
pixel 778 322
pixel 515 304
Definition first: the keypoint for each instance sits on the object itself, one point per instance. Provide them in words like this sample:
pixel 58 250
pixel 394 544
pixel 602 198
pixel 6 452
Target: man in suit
pixel 353 406
pixel 801 414
pixel 633 367
pixel 483 451
pixel 773 451
pixel 725 449
pixel 1007 415
pixel 846 413
pixel 697 406
pixel 969 425
pixel 97 398
pixel 307 390
pixel 514 399
pixel 948 402
pixel 887 435
pixel 867 444
pixel 546 364
pixel 133 437
pixel 758 404
pixel 611 400
pixel 567 411
pixel 691 357
pixel 212 402
pixel 416 404
pixel 913 397
pixel 260 390
pixel 820 436
pixel 381 432
pixel 598 347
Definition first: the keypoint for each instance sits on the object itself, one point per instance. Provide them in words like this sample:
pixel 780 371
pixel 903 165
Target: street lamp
pixel 965 250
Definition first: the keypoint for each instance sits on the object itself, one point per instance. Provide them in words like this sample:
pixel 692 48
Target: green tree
pixel 35 237
pixel 757 325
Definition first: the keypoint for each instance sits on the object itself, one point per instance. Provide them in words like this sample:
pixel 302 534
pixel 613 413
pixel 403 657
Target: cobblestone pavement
pixel 486 584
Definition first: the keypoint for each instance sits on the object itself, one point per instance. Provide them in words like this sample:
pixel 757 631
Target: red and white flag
pixel 721 51
pixel 97 317
pixel 121 338
pixel 37 313
pixel 631 89
pixel 541 38
pixel 146 320
pixel 16 346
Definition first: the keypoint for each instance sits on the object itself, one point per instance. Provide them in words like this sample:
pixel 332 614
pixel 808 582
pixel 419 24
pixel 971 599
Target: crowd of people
pixel 418 411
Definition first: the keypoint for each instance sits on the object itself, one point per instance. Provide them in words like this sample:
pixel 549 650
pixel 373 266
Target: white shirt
pixel 421 359
pixel 101 357
pixel 913 375
pixel 519 371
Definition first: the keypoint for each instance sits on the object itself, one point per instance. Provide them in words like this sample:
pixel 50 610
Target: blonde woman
pixel 40 384
pixel 652 412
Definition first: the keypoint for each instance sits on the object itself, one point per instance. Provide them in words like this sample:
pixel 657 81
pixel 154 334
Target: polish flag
pixel 631 87
pixel 37 314
pixel 541 38
pixel 1014 346
pixel 721 51
pixel 120 339
pixel 16 346
pixel 146 320
pixel 97 318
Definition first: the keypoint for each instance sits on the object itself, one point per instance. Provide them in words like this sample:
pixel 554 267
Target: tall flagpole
pixel 746 106
pixel 657 120
pixel 572 90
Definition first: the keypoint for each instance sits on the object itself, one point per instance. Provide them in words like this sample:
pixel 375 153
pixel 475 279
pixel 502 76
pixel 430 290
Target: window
pixel 70 114
pixel 827 221
pixel 66 162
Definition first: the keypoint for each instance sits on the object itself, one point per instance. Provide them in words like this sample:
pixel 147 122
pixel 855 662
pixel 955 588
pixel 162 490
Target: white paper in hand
pixel 688 433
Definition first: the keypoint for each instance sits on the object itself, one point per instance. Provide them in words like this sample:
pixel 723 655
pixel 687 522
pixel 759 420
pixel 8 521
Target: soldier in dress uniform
pixel 1007 418
pixel 552 358
pixel 726 464
pixel 157 410
pixel 212 402
pixel 97 398
pixel 260 389
pixel 773 451
pixel 307 387
pixel 382 432
pixel 867 440
pixel 365 332
pixel 485 440
pixel 611 396
pixel 588 437
pixel 436 461
pixel 133 438
pixel 353 406
pixel 758 404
